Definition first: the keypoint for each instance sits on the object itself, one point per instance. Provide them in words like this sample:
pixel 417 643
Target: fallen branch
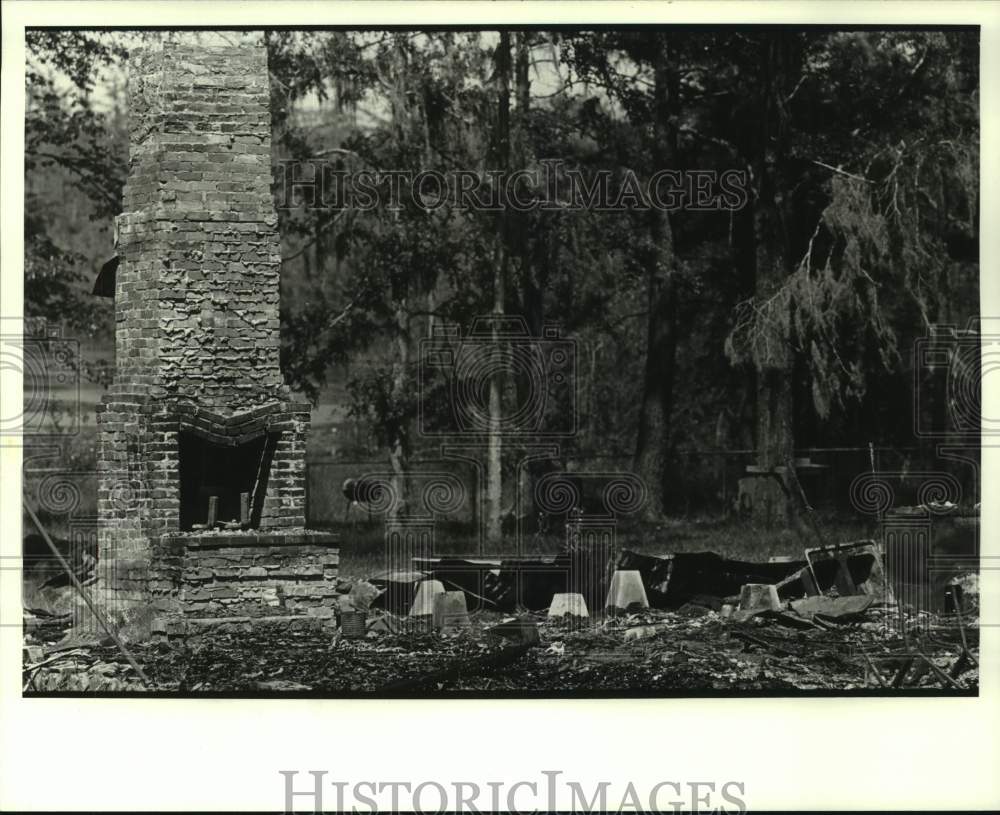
pixel 463 667
pixel 32 670
pixel 874 670
pixel 938 672
pixel 762 643
pixel 86 597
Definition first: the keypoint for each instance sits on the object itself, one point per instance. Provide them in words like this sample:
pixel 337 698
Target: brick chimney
pixel 198 425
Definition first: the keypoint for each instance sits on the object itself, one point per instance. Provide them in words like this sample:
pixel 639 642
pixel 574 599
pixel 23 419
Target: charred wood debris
pixel 846 617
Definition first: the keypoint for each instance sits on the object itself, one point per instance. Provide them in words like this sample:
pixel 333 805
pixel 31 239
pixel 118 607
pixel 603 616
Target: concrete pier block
pixel 626 593
pixel 568 605
pixel 450 612
pixel 423 603
pixel 756 596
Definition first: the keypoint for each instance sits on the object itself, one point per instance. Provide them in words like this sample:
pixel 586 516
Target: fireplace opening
pixel 228 481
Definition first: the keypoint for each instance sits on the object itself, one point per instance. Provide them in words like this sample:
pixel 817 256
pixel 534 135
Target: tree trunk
pixel 402 288
pixel 774 428
pixel 527 244
pixel 774 437
pixel 399 445
pixel 652 442
pixel 494 453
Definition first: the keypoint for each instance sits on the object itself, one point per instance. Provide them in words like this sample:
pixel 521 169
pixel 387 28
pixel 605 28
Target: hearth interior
pixel 225 471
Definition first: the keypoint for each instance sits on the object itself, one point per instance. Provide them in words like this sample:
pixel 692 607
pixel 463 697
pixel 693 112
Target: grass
pixel 362 545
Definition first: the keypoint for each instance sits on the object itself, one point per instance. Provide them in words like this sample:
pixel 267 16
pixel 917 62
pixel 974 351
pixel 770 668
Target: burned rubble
pixel 718 629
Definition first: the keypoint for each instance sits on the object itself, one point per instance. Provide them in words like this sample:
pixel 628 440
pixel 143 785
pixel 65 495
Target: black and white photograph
pixel 551 407
pixel 636 360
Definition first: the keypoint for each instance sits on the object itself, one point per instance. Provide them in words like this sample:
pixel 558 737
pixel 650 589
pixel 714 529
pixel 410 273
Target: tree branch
pixel 302 249
pixel 842 172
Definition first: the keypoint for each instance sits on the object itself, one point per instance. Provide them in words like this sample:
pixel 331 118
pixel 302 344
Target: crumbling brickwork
pixel 197 298
pixel 256 575
pixel 196 309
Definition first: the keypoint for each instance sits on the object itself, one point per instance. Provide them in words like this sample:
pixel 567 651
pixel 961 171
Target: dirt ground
pixel 692 651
